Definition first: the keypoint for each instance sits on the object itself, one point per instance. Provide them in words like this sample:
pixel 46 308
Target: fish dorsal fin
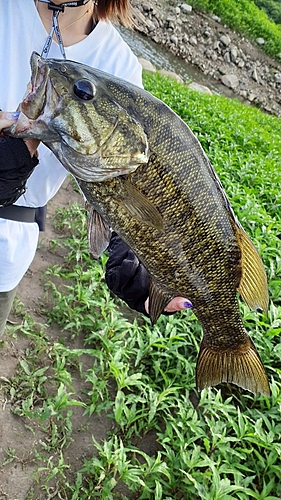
pixel 158 299
pixel 241 366
pixel 140 207
pixel 253 283
pixel 98 233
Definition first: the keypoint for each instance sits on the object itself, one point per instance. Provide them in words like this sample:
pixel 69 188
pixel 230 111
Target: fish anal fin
pixel 98 233
pixel 158 299
pixel 242 367
pixel 253 283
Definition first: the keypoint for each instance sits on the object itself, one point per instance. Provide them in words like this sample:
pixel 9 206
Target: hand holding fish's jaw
pixel 26 128
pixel 8 120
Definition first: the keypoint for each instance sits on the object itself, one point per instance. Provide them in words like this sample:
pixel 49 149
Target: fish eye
pixel 84 89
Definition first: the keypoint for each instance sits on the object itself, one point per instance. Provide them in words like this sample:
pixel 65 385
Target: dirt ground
pixel 16 477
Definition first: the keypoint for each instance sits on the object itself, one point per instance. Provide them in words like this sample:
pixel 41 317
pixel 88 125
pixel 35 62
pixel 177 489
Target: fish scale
pixel 145 174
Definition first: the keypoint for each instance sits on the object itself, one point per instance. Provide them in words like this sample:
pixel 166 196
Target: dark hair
pixel 115 10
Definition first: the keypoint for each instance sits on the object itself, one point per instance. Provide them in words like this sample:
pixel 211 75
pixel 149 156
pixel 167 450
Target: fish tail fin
pixel 241 366
pixel 253 282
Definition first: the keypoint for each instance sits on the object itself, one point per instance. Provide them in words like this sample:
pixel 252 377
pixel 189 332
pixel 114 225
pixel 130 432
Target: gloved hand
pixel 16 162
pixel 127 278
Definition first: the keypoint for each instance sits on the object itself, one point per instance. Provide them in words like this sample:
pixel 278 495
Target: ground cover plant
pixel 164 441
pixel 272 8
pixel 247 18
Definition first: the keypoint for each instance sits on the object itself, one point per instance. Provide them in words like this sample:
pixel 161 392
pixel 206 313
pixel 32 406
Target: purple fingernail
pixel 13 116
pixel 187 305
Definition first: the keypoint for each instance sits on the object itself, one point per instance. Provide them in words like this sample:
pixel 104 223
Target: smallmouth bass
pixel 145 175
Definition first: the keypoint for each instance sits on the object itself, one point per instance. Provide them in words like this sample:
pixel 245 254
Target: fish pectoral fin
pixel 241 366
pixel 140 207
pixel 158 299
pixel 253 284
pixel 98 233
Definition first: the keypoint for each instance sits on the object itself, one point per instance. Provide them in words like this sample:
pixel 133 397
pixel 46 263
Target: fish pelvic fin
pixel 241 366
pixel 253 283
pixel 98 234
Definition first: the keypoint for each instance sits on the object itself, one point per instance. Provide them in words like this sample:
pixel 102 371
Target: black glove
pixel 125 276
pixel 16 165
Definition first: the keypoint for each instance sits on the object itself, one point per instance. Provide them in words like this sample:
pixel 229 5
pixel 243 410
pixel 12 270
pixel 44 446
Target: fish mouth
pixel 34 101
pixel 32 121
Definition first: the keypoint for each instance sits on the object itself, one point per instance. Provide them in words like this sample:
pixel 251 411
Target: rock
pixel 233 54
pixel 199 88
pixel 230 81
pixel 225 40
pixel 251 96
pixel 171 22
pixel 193 40
pixel 186 8
pixel 216 18
pixel 260 41
pixel 147 65
pixel 150 25
pixel 223 70
pixel 171 74
pixel 254 75
pixel 207 33
pixel 156 38
pixel 201 40
pixel 174 39
pixel 147 8
pixel 243 85
pixel 208 53
pixel 226 57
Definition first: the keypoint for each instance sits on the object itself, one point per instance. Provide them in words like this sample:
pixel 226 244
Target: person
pixel 82 31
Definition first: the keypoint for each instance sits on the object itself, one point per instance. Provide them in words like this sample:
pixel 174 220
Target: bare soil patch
pixel 19 438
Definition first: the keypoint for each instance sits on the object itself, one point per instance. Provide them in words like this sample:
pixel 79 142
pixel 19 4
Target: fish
pixel 146 176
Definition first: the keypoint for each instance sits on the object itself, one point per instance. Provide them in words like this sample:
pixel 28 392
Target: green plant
pixel 245 17
pixel 163 440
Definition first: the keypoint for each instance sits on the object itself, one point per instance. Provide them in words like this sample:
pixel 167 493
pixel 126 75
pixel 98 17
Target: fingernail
pixel 187 305
pixel 13 116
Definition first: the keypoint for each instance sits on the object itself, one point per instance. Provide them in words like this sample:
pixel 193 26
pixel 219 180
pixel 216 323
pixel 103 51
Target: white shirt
pixel 22 32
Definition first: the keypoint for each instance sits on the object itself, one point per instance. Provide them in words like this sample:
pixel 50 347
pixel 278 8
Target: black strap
pixel 54 29
pixel 55 25
pixel 18 213
pixel 60 8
